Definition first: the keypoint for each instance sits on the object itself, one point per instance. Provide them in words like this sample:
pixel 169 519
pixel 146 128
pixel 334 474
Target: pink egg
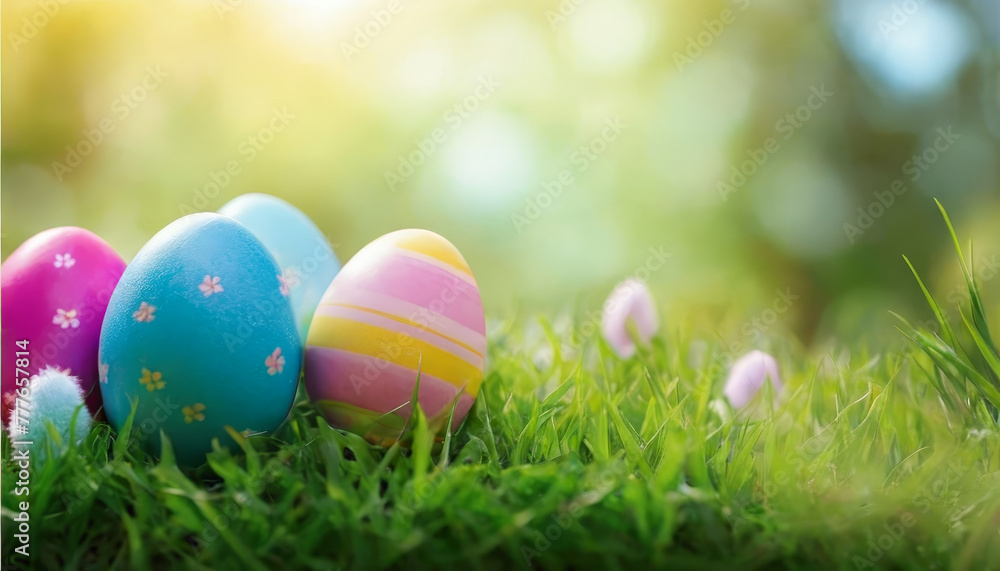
pixel 405 308
pixel 55 290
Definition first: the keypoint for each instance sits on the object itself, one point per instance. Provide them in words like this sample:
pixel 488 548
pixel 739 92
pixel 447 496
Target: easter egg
pixel 305 257
pixel 55 290
pixel 200 336
pixel 407 303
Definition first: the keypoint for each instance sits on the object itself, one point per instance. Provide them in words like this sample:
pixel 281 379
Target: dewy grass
pixel 578 460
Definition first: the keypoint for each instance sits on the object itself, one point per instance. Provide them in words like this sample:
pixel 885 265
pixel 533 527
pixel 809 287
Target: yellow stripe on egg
pixel 432 245
pixel 406 321
pixel 394 347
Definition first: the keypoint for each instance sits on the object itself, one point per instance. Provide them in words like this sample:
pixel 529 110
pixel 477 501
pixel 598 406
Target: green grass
pixel 575 459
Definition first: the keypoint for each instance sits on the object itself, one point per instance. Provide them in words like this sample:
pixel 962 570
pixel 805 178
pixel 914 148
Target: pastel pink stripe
pixel 391 324
pixel 350 295
pixel 415 281
pixel 438 264
pixel 386 386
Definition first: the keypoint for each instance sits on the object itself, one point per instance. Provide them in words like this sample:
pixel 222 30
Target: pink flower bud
pixel 748 375
pixel 629 301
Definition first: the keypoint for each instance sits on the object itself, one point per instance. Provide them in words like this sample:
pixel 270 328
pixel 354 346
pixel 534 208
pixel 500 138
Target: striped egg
pixel 407 303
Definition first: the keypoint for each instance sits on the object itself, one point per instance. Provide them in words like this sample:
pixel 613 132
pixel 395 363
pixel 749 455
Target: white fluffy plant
pixel 55 412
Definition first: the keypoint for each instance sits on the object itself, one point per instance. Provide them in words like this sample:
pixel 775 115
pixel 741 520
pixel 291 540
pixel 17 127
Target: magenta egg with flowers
pixel 55 288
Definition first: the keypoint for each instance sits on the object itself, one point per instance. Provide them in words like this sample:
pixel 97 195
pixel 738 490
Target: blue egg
pixel 307 261
pixel 199 334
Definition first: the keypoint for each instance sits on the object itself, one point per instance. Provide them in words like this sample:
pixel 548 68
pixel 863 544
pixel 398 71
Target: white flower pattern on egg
pixel 283 286
pixel 289 280
pixel 66 318
pixel 145 313
pixel 210 285
pixel 103 369
pixel 275 362
pixel 64 261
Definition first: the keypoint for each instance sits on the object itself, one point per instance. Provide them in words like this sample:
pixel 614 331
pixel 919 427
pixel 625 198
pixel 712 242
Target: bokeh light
pixel 549 204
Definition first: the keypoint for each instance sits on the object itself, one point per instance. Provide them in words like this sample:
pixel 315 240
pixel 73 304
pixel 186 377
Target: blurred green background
pixel 554 143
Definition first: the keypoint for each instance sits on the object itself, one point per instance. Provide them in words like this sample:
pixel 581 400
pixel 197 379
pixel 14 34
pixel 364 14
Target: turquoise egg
pixel 307 261
pixel 199 334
